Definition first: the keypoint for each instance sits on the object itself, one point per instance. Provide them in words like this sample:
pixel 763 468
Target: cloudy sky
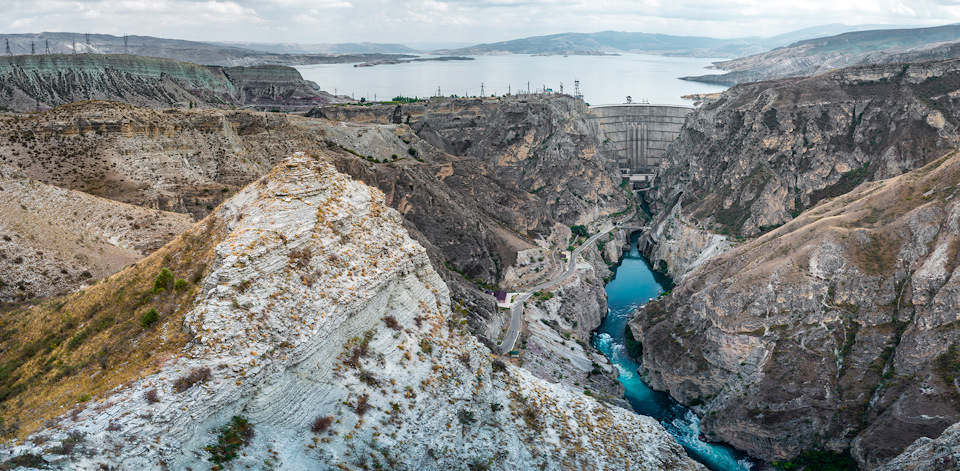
pixel 471 21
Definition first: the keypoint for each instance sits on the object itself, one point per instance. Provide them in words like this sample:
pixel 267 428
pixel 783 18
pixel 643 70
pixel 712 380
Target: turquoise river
pixel 633 285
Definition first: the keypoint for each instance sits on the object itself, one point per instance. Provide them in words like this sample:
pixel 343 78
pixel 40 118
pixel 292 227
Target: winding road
pixel 516 312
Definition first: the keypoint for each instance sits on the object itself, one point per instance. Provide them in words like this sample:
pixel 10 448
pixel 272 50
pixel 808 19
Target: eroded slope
pixel 316 303
pixel 837 330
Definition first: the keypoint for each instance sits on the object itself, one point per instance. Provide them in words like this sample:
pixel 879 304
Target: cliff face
pixel 762 153
pixel 315 304
pixel 29 83
pixel 837 330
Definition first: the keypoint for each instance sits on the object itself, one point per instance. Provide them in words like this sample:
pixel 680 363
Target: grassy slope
pixel 62 352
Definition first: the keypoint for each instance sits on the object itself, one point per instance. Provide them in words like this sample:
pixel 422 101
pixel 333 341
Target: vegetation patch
pixel 848 181
pixel 231 439
pixel 94 340
pixel 819 461
pixel 198 375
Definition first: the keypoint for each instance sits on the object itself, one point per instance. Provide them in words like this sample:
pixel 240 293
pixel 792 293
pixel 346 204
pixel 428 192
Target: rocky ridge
pixel 35 82
pixel 834 331
pixel 820 55
pixel 316 303
pixel 764 152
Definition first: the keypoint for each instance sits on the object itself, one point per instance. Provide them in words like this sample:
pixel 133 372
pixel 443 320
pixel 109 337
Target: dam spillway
pixel 641 133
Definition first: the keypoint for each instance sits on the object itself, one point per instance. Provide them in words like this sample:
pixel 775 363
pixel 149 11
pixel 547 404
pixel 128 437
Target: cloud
pixel 311 21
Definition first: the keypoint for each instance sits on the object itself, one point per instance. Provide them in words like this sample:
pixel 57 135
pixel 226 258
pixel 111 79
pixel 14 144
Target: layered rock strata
pixel 316 303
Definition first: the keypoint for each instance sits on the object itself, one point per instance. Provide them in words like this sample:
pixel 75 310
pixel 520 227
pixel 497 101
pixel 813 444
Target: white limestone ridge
pixel 312 264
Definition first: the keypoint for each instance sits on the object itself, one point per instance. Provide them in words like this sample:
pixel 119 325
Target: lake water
pixel 603 79
pixel 633 285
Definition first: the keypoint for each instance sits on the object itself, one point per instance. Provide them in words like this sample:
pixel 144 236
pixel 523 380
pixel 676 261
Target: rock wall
pixel 318 304
pixel 836 331
pixel 764 152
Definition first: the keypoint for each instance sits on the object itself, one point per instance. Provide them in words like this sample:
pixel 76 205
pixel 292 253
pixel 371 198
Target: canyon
pixel 331 273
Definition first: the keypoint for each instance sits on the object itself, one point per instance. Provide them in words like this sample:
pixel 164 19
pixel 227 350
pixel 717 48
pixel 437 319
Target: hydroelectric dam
pixel 641 133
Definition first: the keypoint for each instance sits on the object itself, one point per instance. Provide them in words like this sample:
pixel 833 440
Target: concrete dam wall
pixel 641 133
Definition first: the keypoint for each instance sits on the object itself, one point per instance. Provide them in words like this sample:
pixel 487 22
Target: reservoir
pixel 603 79
pixel 633 285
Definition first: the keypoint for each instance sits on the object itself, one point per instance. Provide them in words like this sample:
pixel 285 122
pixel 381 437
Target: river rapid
pixel 633 285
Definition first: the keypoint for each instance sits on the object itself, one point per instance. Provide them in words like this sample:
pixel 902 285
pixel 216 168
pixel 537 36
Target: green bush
pixel 232 437
pixel 149 318
pixel 412 151
pixel 180 285
pixel 164 281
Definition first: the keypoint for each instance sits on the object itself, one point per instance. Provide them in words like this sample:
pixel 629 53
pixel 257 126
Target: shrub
pixel 412 151
pixel 164 281
pixel 232 437
pixel 151 396
pixel 27 460
pixel 499 366
pixel 180 285
pixel 149 318
pixel 369 378
pixel 426 346
pixel 392 323
pixel 198 375
pixel 321 424
pixel 466 417
pixel 363 405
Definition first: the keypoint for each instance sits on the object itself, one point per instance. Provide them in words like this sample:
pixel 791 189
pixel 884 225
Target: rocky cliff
pixel 832 325
pixel 762 153
pixel 34 82
pixel 314 333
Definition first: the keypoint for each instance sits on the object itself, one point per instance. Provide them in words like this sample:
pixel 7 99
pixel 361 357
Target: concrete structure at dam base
pixel 641 132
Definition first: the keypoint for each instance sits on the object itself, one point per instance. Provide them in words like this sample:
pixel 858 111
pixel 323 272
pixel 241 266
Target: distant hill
pixel 323 48
pixel 647 43
pixel 820 55
pixel 178 49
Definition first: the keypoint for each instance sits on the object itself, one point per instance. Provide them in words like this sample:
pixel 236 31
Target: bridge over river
pixel 641 133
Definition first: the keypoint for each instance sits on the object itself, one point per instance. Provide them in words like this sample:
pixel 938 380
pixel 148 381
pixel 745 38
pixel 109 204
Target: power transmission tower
pixel 88 41
pixel 528 87
pixel 9 52
pixel 438 91
pixel 126 45
pixel 576 88
pixel 47 42
pixel 561 88
pixel 481 90
pixel 33 49
pixel 74 46
pixel 508 89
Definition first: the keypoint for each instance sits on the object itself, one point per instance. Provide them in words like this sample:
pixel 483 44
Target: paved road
pixel 516 312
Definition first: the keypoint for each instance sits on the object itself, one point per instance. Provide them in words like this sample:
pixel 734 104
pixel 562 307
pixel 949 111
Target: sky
pixel 466 21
